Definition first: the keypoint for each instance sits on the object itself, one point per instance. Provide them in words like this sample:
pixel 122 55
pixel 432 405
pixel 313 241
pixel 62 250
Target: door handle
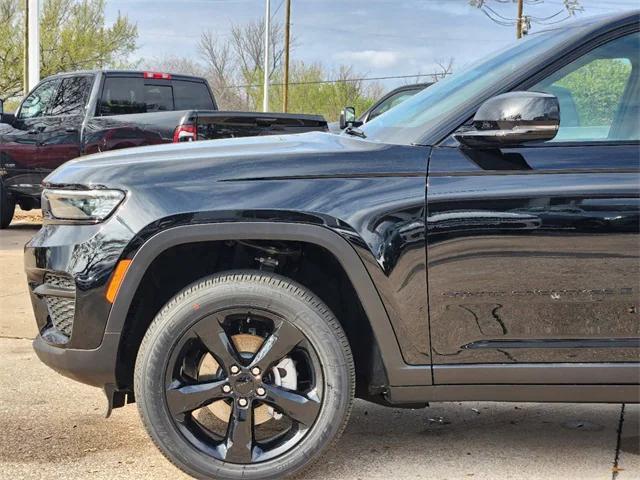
pixel 71 130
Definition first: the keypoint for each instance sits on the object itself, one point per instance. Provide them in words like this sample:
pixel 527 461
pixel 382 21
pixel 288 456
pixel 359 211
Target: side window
pixel 391 102
pixel 125 95
pixel 598 93
pixel 122 96
pixel 72 96
pixel 191 95
pixel 36 104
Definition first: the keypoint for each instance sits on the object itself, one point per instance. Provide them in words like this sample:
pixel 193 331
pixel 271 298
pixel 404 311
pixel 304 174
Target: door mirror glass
pixel 513 119
pixel 347 117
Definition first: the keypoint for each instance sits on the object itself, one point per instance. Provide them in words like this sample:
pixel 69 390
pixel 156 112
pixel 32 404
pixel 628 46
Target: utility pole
pixel 287 28
pixel 25 52
pixel 519 20
pixel 267 34
pixel 34 43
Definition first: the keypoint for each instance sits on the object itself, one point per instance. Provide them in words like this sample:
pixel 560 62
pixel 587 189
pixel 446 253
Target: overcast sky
pixel 377 37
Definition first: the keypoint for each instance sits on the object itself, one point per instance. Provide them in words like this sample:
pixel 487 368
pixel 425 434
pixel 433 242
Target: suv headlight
pixel 80 206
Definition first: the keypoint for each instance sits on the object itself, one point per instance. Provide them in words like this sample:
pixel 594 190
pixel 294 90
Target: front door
pixel 20 161
pixel 61 135
pixel 533 252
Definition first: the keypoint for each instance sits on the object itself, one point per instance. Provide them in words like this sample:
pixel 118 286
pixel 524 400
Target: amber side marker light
pixel 116 279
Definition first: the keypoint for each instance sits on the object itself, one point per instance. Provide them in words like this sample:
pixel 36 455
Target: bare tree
pixel 173 64
pixel 222 71
pixel 216 56
pixel 235 62
pixel 247 43
pixel 445 67
pixel 442 69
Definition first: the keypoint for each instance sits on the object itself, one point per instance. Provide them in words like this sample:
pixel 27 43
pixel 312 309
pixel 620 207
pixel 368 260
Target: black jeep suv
pixel 478 242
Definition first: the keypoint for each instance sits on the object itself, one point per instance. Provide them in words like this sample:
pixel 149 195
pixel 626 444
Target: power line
pixel 347 80
pixel 523 22
pixel 277 10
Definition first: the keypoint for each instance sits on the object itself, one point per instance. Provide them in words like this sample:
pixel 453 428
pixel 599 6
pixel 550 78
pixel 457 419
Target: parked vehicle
pixel 472 243
pixel 80 113
pixel 390 100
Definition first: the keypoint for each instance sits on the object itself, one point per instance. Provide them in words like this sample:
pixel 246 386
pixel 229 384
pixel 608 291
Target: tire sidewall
pixel 7 206
pixel 279 296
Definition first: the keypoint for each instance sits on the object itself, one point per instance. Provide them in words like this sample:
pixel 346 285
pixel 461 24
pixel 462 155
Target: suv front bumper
pixel 94 367
pixel 80 259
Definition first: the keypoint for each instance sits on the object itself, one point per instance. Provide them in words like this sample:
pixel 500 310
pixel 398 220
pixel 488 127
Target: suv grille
pixel 61 309
pixel 61 312
pixel 56 280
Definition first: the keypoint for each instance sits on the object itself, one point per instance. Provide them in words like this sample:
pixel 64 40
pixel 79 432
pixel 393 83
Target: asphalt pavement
pixel 52 427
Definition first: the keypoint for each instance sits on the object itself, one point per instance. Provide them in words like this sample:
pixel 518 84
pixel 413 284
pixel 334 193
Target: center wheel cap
pixel 244 385
pixel 221 409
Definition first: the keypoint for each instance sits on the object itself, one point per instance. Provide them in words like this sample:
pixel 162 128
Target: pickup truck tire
pixel 7 207
pixel 299 341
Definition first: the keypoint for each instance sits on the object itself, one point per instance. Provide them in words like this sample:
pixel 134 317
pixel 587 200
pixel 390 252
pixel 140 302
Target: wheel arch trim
pixel 398 372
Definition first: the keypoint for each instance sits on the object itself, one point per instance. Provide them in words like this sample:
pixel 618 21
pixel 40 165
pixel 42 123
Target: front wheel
pixel 7 207
pixel 244 375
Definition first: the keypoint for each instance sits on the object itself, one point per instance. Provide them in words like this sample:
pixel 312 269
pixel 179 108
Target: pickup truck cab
pixel 79 113
pixel 477 242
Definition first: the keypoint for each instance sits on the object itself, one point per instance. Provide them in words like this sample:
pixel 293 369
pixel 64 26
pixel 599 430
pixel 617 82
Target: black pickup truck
pixel 477 242
pixel 80 113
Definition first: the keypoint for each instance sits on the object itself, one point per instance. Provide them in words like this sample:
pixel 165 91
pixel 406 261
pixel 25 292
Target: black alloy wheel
pixel 244 375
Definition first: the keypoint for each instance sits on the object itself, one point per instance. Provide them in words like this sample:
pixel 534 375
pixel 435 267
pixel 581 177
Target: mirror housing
pixel 5 117
pixel 513 119
pixel 348 118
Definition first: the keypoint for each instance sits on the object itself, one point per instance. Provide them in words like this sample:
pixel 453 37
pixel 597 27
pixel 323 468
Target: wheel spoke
pixel 239 441
pixel 283 339
pixel 187 398
pixel 299 408
pixel 216 340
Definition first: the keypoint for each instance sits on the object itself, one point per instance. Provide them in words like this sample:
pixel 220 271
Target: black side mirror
pixel 6 117
pixel 347 117
pixel 513 119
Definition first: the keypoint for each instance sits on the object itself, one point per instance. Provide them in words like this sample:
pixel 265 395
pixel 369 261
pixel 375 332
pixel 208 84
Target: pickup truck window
pixel 72 96
pixel 158 98
pixel 35 105
pixel 598 100
pixel 192 95
pixel 391 102
pixel 125 95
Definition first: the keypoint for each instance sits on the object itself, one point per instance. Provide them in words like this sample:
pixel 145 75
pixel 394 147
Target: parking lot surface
pixel 52 427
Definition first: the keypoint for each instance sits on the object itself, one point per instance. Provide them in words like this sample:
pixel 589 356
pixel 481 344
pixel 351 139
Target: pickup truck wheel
pixel 244 375
pixel 7 207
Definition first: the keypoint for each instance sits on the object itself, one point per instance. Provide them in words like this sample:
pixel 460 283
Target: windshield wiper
pixel 355 131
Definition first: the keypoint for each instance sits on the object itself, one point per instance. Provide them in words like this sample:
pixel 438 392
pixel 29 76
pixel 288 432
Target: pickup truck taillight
pixel 185 133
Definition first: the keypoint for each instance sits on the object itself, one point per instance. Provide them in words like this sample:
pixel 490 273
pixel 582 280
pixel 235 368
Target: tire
pixel 322 358
pixel 7 207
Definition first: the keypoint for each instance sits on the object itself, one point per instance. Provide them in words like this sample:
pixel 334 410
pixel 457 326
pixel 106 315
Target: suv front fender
pixel 398 372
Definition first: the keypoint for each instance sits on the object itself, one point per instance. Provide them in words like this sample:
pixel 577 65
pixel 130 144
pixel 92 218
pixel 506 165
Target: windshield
pixel 411 121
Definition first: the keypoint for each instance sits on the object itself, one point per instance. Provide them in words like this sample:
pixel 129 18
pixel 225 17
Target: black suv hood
pixel 313 154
